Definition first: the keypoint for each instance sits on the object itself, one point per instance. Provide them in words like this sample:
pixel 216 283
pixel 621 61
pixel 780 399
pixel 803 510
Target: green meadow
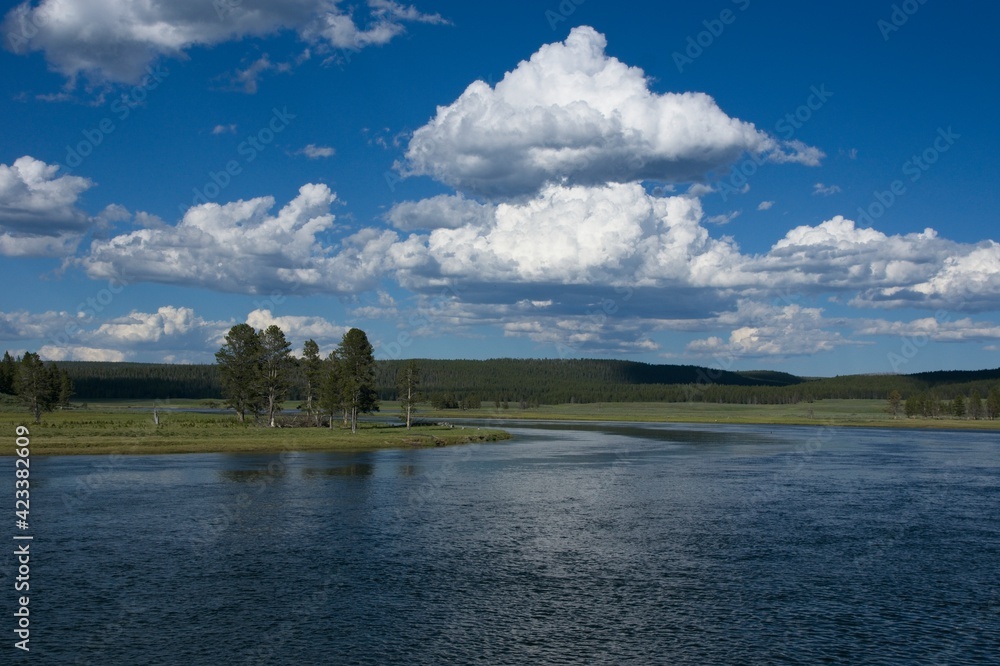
pixel 127 427
pixel 868 413
pixel 130 429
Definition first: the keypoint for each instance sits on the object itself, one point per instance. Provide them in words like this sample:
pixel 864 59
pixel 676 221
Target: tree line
pixel 107 380
pixel 38 386
pixel 457 384
pixel 929 404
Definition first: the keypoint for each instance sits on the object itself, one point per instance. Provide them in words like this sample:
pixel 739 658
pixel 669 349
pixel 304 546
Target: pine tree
pixel 408 381
pixel 8 374
pixel 975 407
pixel 331 390
pixel 958 406
pixel 357 358
pixel 276 369
pixel 240 367
pixel 34 386
pixel 993 403
pixel 894 401
pixel 66 389
pixel 312 374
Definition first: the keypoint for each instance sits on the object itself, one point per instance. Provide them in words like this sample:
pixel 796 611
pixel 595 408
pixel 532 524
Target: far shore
pixel 198 426
pixel 830 412
pixel 102 431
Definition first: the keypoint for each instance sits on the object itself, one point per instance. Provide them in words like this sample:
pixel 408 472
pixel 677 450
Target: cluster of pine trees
pixel 258 372
pixel 971 406
pixel 456 401
pixel 39 387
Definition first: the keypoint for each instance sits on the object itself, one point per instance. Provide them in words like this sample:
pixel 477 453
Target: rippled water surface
pixel 598 544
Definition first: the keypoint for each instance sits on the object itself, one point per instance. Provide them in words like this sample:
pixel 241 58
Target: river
pixel 570 544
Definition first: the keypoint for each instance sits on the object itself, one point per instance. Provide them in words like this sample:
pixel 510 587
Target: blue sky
pixel 735 184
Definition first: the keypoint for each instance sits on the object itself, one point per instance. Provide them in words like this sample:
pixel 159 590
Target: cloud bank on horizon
pixel 567 210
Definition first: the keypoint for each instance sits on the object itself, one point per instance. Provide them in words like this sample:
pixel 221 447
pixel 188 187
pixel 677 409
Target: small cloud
pixel 314 152
pixel 224 129
pixel 80 353
pixel 724 219
pixel 819 189
pixel 248 79
pixel 54 97
pixel 851 154
pixel 526 304
pixel 765 205
pixel 385 138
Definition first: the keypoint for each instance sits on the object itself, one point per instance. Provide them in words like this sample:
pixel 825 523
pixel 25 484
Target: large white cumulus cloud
pixel 967 279
pixel 611 235
pixel 572 114
pixel 39 215
pixel 240 247
pixel 619 235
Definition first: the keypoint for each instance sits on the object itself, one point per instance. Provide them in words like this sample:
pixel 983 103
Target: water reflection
pixel 355 469
pixel 250 475
pixel 598 544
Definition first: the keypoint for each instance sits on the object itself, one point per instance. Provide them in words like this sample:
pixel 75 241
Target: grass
pixel 126 430
pixel 127 427
pixel 868 413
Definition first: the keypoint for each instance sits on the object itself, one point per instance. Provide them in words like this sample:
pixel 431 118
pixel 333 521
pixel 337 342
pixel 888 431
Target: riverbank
pixel 131 431
pixel 127 427
pixel 851 413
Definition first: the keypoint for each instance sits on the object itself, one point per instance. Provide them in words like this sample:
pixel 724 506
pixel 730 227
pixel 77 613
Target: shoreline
pixel 189 427
pixel 901 424
pixel 846 413
pixel 109 433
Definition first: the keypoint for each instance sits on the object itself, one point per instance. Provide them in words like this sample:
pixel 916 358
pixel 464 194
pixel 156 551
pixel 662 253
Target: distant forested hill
pixel 97 380
pixel 534 380
pixel 552 381
pixel 549 381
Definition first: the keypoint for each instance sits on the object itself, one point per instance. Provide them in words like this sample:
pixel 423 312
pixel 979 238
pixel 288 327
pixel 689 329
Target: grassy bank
pixel 868 413
pixel 127 427
pixel 131 431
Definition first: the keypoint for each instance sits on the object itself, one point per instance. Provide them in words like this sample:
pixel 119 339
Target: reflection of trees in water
pixel 356 469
